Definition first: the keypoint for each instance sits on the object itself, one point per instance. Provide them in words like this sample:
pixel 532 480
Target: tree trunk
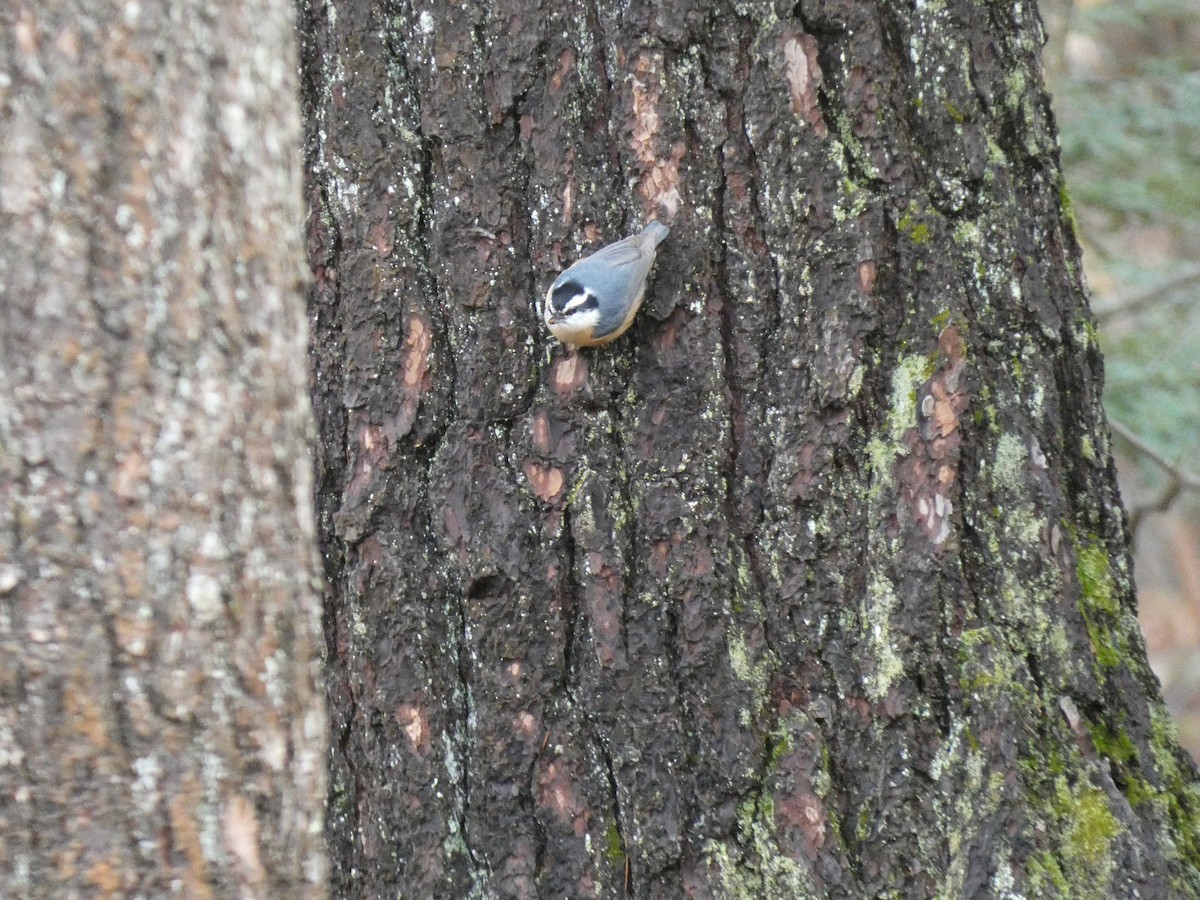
pixel 816 583
pixel 162 730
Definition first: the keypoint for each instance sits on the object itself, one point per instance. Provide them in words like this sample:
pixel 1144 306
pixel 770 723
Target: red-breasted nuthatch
pixel 594 301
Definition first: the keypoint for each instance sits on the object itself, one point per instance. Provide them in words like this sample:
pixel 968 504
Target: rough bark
pixel 162 727
pixel 814 584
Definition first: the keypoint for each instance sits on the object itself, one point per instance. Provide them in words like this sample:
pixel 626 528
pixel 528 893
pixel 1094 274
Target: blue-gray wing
pixel 634 254
pixel 617 274
pixel 630 251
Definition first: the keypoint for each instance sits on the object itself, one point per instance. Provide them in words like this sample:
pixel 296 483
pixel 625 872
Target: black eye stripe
pixel 568 291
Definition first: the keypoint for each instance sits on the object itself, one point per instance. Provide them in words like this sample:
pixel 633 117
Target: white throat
pixel 576 328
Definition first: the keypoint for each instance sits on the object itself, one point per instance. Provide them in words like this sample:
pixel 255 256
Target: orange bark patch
pixel 556 792
pixel 525 724
pixel 414 373
pixel 371 452
pixel 866 276
pixel 541 433
pixel 927 477
pixel 566 60
pixel 569 375
pixel 803 74
pixel 659 184
pixel 546 481
pixel 415 724
pixel 381 238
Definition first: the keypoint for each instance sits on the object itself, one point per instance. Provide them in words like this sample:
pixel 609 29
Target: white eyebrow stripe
pixel 577 301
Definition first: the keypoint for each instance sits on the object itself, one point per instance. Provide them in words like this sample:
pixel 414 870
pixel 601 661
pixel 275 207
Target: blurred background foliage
pixel 1125 76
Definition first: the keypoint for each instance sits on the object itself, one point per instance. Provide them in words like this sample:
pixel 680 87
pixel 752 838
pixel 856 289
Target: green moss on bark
pixel 765 871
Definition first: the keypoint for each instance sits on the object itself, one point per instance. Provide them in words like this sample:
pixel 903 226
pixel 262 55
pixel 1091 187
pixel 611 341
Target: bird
pixel 594 301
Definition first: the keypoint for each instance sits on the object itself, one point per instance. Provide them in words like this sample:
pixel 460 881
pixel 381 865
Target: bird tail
pixel 655 231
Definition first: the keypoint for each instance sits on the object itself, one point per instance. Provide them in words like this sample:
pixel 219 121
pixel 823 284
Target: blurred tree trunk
pixel 814 584
pixel 162 730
